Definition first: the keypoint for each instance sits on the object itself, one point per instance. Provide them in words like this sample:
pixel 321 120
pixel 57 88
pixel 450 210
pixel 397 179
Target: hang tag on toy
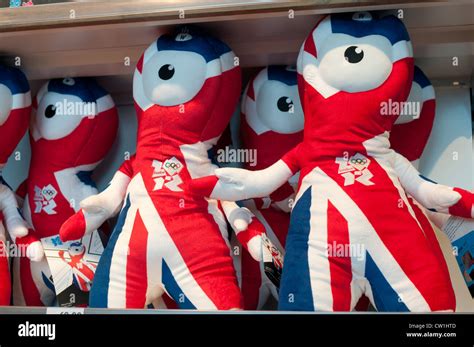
pixel 73 266
pixel 460 232
pixel 272 261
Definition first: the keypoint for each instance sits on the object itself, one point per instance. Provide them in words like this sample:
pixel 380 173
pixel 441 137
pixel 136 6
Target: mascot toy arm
pixel 240 184
pixel 96 209
pixel 433 196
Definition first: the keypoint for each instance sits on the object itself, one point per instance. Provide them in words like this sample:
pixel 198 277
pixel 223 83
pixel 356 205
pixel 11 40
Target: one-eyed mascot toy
pixel 73 127
pixel 186 86
pixel 15 110
pixel 271 124
pixel 352 229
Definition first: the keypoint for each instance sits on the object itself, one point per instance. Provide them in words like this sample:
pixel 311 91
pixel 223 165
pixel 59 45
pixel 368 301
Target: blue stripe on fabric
pixel 420 78
pixel 100 288
pixel 295 290
pixel 282 74
pixel 14 79
pixel 385 297
pixel 48 282
pixel 390 27
pixel 202 44
pixel 173 288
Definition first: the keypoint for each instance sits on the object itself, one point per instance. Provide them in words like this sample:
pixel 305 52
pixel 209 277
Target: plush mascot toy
pixel 271 125
pixel 15 109
pixel 409 137
pixel 186 86
pixel 353 230
pixel 73 127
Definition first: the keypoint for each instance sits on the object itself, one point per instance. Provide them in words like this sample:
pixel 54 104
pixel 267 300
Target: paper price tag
pixel 65 310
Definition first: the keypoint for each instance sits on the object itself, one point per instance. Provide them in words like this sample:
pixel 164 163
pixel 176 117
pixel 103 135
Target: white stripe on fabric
pixel 214 68
pixel 251 115
pixel 428 93
pixel 227 61
pixel 117 294
pixel 216 213
pixel 197 158
pixel 21 100
pixel 150 52
pixel 312 77
pixel 138 93
pixel 321 32
pixel 401 50
pixel 104 103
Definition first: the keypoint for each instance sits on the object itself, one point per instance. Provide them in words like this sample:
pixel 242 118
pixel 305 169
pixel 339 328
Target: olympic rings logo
pixel 48 192
pixel 172 165
pixel 359 161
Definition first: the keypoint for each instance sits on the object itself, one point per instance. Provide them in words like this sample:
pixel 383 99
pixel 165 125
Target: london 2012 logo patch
pixel 355 168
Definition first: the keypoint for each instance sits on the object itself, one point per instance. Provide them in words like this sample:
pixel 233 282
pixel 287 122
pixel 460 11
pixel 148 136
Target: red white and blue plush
pixel 15 109
pixel 271 124
pixel 185 87
pixel 353 230
pixel 73 127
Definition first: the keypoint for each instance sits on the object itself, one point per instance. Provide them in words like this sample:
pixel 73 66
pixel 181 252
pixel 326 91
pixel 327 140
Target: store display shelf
pixel 106 39
pixel 70 14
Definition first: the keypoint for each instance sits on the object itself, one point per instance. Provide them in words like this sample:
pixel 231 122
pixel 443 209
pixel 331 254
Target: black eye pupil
pixel 354 54
pixel 166 72
pixel 285 104
pixel 50 111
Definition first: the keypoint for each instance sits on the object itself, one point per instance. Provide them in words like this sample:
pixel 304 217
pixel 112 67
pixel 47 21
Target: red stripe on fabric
pixel 339 262
pixel 140 64
pixel 136 278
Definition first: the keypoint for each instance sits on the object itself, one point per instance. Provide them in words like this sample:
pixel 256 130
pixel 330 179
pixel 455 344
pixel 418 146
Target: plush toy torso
pixel 185 90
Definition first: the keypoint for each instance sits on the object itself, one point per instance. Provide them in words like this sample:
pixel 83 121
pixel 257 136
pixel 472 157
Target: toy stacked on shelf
pixel 185 89
pixel 352 228
pixel 74 124
pixel 271 125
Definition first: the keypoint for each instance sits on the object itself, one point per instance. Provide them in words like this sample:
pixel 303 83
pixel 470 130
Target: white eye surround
pixel 278 107
pixel 353 64
pixel 6 103
pixel 58 115
pixel 172 78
